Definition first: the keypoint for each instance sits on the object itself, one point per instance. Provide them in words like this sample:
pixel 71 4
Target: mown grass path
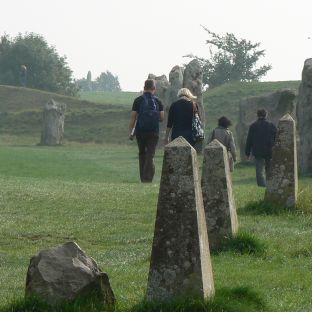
pixel 91 194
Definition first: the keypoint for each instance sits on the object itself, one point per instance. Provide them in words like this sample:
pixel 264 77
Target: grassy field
pixel 90 194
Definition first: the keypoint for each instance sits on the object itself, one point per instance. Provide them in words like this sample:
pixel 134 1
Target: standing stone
pixel 304 117
pixel 65 273
pixel 277 104
pixel 218 195
pixel 53 123
pixel 193 80
pixel 162 88
pixel 180 261
pixel 282 180
pixel 176 83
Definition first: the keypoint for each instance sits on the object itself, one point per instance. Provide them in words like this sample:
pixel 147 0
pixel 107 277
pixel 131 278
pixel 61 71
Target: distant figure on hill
pixel 225 136
pixel 147 112
pixel 260 141
pixel 23 75
pixel 180 117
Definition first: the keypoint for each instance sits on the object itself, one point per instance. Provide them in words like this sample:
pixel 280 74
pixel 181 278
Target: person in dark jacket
pixel 180 117
pixel 147 112
pixel 260 141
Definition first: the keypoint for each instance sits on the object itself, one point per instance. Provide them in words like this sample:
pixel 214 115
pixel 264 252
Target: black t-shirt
pixel 180 115
pixel 139 100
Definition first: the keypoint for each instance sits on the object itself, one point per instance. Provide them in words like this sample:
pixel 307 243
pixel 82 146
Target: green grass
pixel 106 97
pixel 90 194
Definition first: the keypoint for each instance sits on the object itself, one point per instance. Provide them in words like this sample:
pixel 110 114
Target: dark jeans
pixel 262 167
pixel 147 143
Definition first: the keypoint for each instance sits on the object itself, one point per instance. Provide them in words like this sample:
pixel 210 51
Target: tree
pixel 231 59
pixel 107 82
pixel 46 70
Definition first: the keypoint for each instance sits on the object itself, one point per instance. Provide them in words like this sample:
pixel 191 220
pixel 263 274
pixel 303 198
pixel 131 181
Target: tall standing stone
pixel 193 80
pixel 162 88
pixel 304 117
pixel 276 103
pixel 53 123
pixel 218 195
pixel 180 261
pixel 176 83
pixel 282 180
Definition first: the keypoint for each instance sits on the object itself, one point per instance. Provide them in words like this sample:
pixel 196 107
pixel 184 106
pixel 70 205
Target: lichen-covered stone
pixel 282 179
pixel 277 104
pixel 53 123
pixel 180 261
pixel 304 117
pixel 218 195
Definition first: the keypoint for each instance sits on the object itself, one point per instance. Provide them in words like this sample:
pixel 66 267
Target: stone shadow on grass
pixel 239 299
pixel 242 243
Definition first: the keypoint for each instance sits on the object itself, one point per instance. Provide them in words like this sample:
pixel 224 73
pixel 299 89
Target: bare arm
pixel 167 135
pixel 161 115
pixel 133 118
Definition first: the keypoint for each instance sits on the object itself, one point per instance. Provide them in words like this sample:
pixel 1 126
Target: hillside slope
pixel 107 119
pixel 21 114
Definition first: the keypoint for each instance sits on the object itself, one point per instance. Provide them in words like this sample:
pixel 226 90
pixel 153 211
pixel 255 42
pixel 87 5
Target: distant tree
pixel 231 59
pixel 107 82
pixel 46 70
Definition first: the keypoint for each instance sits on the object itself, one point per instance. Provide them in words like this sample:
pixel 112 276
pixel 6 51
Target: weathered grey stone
pixel 193 80
pixel 53 123
pixel 64 273
pixel 162 89
pixel 176 83
pixel 304 117
pixel 219 203
pixel 282 179
pixel 180 261
pixel 277 104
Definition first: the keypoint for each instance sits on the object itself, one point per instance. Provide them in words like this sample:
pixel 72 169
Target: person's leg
pixel 149 167
pixel 141 140
pixel 260 171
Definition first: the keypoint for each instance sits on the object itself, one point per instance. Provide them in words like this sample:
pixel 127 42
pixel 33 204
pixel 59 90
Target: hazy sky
pixel 132 38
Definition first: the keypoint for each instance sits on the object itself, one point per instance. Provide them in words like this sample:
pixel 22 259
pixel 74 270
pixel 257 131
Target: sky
pixel 132 38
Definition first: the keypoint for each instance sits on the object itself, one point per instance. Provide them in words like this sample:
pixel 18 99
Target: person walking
pixel 180 117
pixel 147 112
pixel 225 136
pixel 260 141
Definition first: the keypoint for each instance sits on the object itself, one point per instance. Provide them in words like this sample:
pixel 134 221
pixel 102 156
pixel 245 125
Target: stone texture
pixel 304 117
pixel 64 273
pixel 193 80
pixel 176 83
pixel 53 123
pixel 162 88
pixel 277 104
pixel 282 179
pixel 219 203
pixel 180 261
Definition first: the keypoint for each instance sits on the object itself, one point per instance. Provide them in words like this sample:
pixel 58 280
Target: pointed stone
pixel 282 180
pixel 219 203
pixel 180 261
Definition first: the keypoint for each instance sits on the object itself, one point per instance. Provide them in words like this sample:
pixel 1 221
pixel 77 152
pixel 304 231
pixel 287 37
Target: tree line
pixel 28 60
